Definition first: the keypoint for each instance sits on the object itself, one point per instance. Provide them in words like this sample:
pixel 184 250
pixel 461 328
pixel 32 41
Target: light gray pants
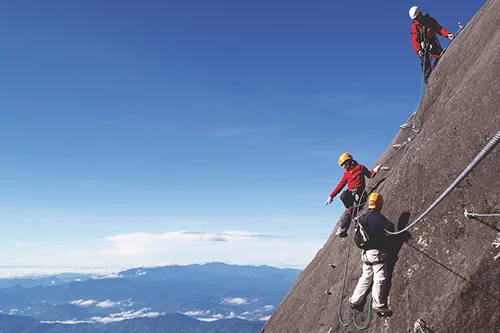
pixel 374 264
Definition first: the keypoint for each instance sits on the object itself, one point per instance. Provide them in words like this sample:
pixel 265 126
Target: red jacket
pixel 432 27
pixel 354 178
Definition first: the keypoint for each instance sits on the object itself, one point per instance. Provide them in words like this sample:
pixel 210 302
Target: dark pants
pixel 426 60
pixel 349 199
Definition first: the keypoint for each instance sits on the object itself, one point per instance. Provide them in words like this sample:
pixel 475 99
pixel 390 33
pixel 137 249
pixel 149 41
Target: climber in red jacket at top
pixel 354 178
pixel 425 42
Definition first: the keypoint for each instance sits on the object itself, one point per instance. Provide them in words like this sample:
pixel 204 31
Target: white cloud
pixel 218 316
pixel 266 318
pixel 234 301
pixel 122 251
pixel 82 302
pixel 114 317
pixel 108 276
pixel 138 243
pixel 40 271
pixel 196 313
pixel 205 315
pixel 107 304
pixel 237 247
pixel 66 322
pixel 207 319
pixel 269 307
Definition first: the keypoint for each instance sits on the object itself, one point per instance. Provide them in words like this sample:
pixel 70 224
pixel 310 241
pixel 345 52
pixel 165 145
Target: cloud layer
pixel 122 251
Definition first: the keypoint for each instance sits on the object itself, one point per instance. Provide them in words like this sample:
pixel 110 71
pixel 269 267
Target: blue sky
pixel 224 118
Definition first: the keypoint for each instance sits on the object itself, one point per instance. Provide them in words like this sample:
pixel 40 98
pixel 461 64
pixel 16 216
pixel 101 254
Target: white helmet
pixel 414 12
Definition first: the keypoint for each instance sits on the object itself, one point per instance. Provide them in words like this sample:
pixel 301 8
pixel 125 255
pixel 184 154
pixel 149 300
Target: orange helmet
pixel 344 157
pixel 375 201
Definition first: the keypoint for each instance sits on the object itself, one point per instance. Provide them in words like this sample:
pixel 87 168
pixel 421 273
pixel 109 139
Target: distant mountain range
pixel 215 294
pixel 44 280
pixel 171 323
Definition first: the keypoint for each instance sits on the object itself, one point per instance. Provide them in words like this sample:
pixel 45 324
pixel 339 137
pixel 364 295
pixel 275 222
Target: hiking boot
pixel 383 311
pixel 355 306
pixel 341 232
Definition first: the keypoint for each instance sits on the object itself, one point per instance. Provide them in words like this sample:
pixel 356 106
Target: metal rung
pixel 405 126
pixel 385 168
pixel 397 146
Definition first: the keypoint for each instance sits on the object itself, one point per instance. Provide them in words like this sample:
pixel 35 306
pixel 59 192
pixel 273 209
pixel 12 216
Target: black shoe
pixel 383 311
pixel 356 307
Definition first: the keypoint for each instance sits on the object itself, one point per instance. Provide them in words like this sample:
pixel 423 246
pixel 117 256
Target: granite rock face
pixel 447 269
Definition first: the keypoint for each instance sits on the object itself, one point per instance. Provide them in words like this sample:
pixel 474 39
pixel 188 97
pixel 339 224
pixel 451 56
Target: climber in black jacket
pixel 374 258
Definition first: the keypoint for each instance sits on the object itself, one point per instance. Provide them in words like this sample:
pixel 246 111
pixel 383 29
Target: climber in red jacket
pixel 424 39
pixel 354 178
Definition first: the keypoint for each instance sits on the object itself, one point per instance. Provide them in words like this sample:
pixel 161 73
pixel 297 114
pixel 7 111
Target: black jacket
pixel 377 224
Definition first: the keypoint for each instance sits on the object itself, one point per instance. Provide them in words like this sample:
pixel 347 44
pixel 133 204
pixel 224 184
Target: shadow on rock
pixel 394 246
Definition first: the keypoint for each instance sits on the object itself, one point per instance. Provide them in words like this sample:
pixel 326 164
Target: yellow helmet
pixel 344 157
pixel 375 200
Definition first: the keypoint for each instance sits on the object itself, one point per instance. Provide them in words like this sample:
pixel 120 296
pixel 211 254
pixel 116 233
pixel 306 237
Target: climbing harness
pixel 472 215
pixel 356 196
pixel 482 154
